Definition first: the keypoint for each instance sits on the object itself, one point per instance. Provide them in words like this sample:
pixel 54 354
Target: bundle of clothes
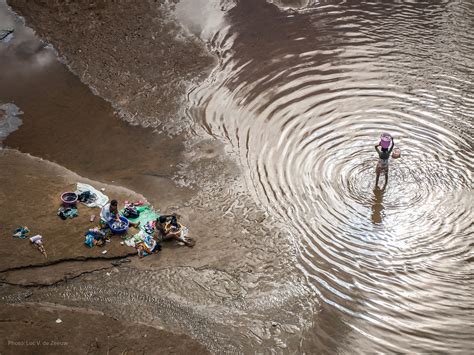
pixel 96 236
pixel 65 212
pixel 131 211
pixel 90 196
pixel 21 232
pixel 144 243
pixel 87 197
pixel 37 240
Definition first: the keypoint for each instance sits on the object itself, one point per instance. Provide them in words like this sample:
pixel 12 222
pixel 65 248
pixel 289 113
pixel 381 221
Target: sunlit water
pixel 302 98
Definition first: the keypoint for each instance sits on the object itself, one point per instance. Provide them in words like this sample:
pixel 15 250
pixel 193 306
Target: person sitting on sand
pixel 168 228
pixel 110 213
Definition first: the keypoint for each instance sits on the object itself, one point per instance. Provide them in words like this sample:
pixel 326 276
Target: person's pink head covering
pixel 385 140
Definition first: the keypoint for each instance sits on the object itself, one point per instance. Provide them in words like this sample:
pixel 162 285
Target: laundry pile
pixel 21 232
pixel 119 224
pixel 90 196
pixel 37 240
pixel 143 243
pixel 96 236
pixel 145 213
pixel 153 228
pixel 67 212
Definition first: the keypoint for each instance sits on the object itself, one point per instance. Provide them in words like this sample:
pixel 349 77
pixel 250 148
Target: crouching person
pixel 110 213
pixel 168 228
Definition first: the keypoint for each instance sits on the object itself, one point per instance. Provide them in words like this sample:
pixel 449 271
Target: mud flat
pixel 236 289
pixel 42 328
pixel 132 54
pixel 30 196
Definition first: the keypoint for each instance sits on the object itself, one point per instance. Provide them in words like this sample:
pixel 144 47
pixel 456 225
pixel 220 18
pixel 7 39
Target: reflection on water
pixel 21 51
pixel 9 120
pixel 302 96
pixel 377 205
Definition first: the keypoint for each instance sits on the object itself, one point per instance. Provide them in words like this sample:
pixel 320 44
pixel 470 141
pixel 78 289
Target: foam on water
pixel 9 120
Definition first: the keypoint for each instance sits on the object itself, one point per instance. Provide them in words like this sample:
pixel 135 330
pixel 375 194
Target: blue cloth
pixel 71 213
pixel 91 235
pixel 89 241
pixel 21 232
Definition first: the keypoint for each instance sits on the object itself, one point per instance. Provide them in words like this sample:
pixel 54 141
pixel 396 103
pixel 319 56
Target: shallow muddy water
pixel 302 97
pixel 299 97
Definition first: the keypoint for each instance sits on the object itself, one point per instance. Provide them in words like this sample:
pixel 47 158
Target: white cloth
pixel 37 239
pixel 101 199
pixel 106 215
pixel 137 238
pixel 183 233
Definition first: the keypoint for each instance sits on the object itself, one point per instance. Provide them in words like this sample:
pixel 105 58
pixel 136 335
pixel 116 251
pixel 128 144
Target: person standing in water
pixel 384 149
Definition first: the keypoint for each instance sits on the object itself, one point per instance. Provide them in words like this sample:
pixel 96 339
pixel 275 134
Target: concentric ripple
pixel 303 97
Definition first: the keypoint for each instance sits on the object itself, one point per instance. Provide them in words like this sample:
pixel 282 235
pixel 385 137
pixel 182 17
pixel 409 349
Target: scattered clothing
pixel 95 236
pixel 150 227
pixel 87 197
pixel 89 241
pixel 146 214
pixel 145 249
pixel 95 198
pixel 131 212
pixel 37 241
pixel 143 243
pixel 67 212
pixel 21 232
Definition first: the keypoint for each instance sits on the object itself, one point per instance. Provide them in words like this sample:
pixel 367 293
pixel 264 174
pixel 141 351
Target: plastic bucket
pixel 119 230
pixel 396 153
pixel 385 140
pixel 69 198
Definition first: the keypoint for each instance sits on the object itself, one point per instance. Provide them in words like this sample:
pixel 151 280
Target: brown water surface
pixel 302 97
pixel 64 122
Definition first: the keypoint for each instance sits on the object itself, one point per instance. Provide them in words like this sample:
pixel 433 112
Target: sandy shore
pixel 30 195
pixel 34 328
pixel 234 290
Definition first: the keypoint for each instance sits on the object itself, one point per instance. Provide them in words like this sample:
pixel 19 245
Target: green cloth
pixel 146 214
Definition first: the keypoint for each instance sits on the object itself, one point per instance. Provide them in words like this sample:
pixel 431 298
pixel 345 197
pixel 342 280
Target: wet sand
pixel 132 54
pixel 32 328
pixel 234 263
pixel 296 251
pixel 30 195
